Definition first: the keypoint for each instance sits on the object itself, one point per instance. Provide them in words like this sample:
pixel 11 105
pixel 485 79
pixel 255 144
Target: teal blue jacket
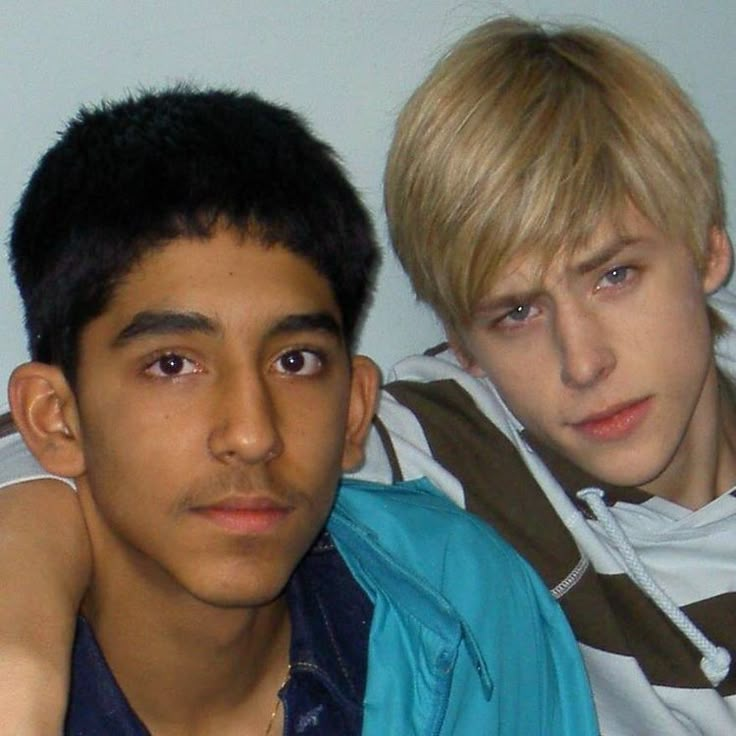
pixel 465 639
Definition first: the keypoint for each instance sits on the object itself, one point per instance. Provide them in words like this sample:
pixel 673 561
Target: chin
pixel 228 588
pixel 245 597
pixel 625 474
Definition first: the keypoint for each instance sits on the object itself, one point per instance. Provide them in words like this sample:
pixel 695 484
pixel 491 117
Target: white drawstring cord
pixel 716 660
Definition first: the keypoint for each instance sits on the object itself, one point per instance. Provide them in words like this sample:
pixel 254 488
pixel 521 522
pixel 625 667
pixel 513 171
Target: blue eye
pixel 520 313
pixel 617 275
pixel 518 317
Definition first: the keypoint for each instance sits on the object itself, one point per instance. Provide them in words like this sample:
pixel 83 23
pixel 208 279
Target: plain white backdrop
pixel 347 65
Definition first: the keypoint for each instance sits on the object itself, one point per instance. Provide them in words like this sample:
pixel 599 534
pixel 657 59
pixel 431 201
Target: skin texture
pixel 38 612
pixel 215 409
pixel 607 357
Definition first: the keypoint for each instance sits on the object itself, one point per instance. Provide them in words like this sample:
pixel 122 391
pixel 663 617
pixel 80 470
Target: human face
pixel 607 355
pixel 216 408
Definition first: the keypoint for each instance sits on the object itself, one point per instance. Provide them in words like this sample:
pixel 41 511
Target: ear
pixel 463 355
pixel 364 387
pixel 45 412
pixel 718 261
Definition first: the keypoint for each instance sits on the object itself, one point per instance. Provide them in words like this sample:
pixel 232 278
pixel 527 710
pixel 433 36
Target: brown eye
pixel 172 365
pixel 299 363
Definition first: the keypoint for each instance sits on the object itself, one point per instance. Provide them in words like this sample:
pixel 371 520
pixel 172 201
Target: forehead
pixel 536 263
pixel 232 278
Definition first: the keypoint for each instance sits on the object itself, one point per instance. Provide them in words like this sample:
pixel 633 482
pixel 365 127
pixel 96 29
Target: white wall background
pixel 346 64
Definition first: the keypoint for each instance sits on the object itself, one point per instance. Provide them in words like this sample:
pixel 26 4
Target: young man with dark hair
pixel 193 266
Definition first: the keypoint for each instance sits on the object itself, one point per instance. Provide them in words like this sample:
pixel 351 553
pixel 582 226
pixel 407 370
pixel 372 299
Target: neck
pixel 725 467
pixel 708 466
pixel 187 666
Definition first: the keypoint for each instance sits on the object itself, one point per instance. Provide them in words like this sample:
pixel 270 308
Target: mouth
pixel 616 422
pixel 245 514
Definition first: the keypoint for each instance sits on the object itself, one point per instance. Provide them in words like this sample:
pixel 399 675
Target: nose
pixel 245 428
pixel 586 353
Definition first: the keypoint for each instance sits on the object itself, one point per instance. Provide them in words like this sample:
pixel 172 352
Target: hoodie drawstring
pixel 716 660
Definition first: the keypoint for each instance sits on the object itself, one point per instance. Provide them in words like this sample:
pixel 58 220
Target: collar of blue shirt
pixel 330 625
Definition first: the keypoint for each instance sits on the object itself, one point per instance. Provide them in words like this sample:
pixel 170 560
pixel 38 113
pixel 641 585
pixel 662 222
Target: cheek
pixel 523 375
pixel 141 446
pixel 313 436
pixel 531 403
pixel 673 329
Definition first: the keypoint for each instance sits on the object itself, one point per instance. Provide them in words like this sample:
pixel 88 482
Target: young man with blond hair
pixel 555 197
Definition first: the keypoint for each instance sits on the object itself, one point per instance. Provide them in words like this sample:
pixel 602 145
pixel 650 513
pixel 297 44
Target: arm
pixel 44 567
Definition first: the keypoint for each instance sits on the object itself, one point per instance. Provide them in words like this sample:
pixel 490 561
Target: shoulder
pixel 419 553
pixel 421 527
pixel 17 464
pixel 439 393
pixel 407 506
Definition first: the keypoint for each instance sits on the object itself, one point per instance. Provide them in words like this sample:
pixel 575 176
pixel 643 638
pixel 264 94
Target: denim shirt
pixel 330 624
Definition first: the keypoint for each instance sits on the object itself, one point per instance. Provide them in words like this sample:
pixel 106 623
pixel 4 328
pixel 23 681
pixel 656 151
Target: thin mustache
pixel 208 491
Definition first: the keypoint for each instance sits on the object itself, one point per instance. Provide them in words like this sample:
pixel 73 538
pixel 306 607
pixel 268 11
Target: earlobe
pixel 364 387
pixel 44 410
pixel 718 261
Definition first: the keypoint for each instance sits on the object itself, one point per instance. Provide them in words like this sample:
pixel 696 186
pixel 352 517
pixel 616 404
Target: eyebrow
pixel 602 256
pixel 605 254
pixel 307 322
pixel 168 322
pixel 164 322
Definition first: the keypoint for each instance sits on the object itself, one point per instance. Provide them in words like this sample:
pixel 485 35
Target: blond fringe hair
pixel 522 140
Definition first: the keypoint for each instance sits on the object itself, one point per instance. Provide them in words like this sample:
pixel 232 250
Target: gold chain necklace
pixel 278 702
